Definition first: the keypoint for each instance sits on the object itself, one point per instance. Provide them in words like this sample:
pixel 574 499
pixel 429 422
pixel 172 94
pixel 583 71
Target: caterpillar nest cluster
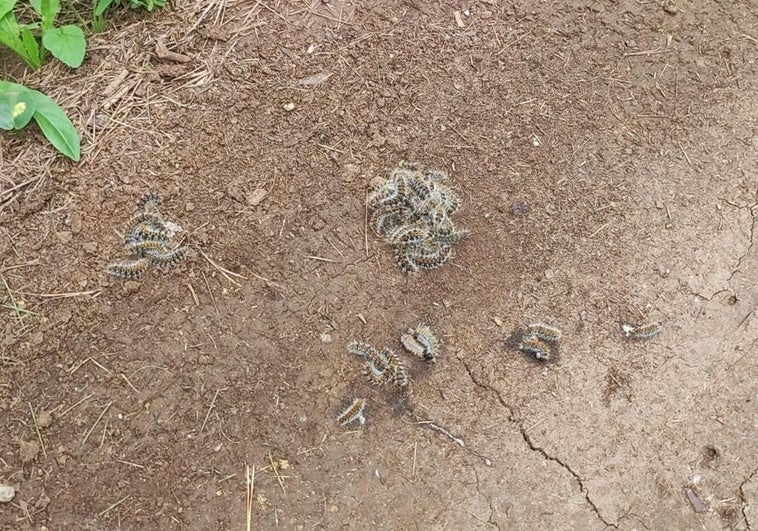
pixel 412 211
pixel 382 366
pixel 149 241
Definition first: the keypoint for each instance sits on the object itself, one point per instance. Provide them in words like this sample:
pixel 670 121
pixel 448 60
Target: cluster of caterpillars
pixel 541 341
pixel 412 211
pixel 148 239
pixel 384 367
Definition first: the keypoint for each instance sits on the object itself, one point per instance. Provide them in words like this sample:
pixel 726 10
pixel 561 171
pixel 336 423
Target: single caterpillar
pixel 643 332
pixel 426 338
pixel 353 412
pixel 129 270
pixel 148 248
pixel 166 258
pixel 396 369
pixel 410 344
pixel 421 342
pixel 543 331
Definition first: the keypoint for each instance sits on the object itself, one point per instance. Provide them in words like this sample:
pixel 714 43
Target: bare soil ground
pixel 605 154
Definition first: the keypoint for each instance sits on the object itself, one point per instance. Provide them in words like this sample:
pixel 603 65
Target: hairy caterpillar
pixel 421 342
pixel 643 332
pixel 353 412
pixel 543 331
pixel 129 270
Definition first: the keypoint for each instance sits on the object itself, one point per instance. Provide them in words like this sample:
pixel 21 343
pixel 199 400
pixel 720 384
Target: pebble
pixel 6 493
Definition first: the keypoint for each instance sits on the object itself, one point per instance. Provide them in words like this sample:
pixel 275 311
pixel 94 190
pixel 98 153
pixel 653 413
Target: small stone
pixel 76 223
pixel 326 338
pixel 7 493
pixel 90 247
pixel 289 107
pixel 235 192
pixel 131 286
pixel 28 450
pixel 350 172
pixel 189 206
pixel 255 197
pixel 64 236
pixel 44 419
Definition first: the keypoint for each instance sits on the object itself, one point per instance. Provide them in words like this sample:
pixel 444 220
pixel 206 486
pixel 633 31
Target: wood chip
pixel 697 504
pixel 459 19
pixel 164 53
pixel 315 79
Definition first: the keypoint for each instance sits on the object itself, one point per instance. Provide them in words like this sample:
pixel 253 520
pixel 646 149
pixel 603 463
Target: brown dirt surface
pixel 605 156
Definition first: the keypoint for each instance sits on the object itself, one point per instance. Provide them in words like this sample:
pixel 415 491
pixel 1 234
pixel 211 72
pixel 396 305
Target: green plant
pixel 19 105
pixel 101 5
pixel 66 43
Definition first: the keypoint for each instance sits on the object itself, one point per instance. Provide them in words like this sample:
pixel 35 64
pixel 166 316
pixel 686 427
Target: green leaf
pixel 17 105
pixel 6 112
pixel 9 31
pixel 101 6
pixel 6 6
pixel 23 111
pixel 51 119
pixel 67 44
pixel 32 53
pixel 56 126
pixel 49 9
pixel 37 6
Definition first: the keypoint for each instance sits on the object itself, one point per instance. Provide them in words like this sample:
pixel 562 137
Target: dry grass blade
pixel 36 429
pixel 113 506
pixel 89 432
pixel 94 293
pixel 249 490
pixel 210 408
pixel 275 469
pixel 222 270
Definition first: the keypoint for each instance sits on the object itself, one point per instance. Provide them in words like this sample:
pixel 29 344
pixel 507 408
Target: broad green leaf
pixel 24 111
pixel 9 33
pixel 6 112
pixel 56 126
pixel 32 53
pixel 51 119
pixel 17 103
pixel 67 44
pixel 37 6
pixel 101 6
pixel 6 6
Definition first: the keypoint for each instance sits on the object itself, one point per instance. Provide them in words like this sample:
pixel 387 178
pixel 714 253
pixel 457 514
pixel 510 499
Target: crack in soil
pixel 751 241
pixel 742 496
pixel 491 517
pixel 533 447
